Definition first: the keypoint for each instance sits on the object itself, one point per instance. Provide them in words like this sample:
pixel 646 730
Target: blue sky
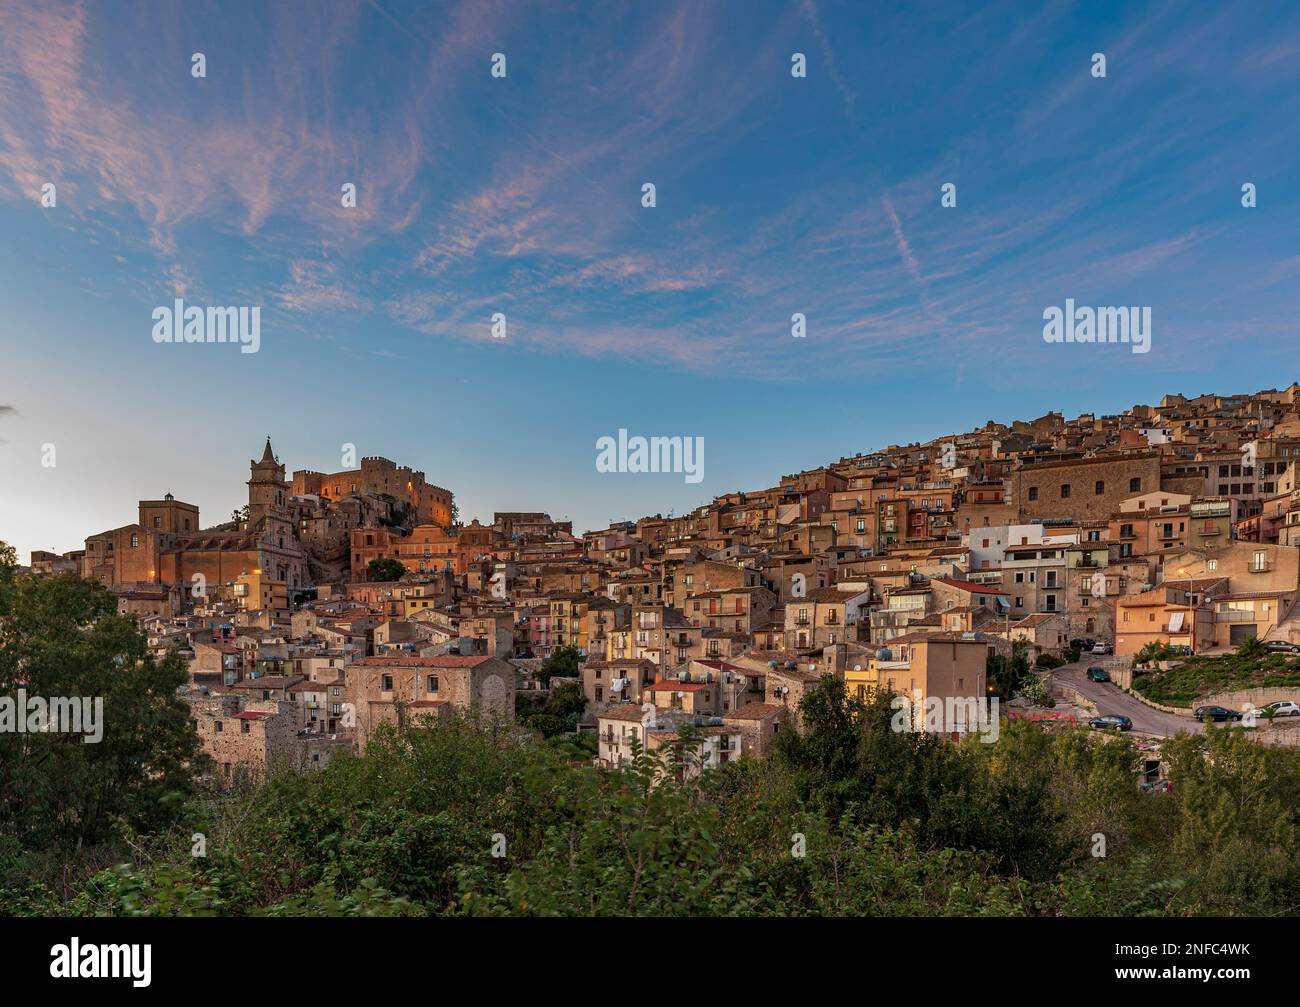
pixel 523 195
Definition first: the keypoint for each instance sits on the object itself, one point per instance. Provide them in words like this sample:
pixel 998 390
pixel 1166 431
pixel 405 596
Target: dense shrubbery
pixel 890 823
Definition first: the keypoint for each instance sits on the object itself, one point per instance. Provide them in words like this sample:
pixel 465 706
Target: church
pixel 167 546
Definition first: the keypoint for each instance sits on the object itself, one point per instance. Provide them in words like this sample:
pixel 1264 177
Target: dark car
pixel 1081 644
pixel 1216 713
pixel 1282 647
pixel 1112 721
pixel 1097 674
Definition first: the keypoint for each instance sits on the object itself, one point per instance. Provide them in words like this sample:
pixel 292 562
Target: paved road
pixel 1110 698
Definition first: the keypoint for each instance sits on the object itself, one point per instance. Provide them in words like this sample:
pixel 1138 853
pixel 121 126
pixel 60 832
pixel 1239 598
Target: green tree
pixel 384 569
pixel 62 637
pixel 1252 647
pixel 1006 675
pixel 563 662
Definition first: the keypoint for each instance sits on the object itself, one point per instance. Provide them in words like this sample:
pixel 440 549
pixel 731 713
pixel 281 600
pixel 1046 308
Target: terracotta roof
pixel 754 711
pixel 435 661
pixel 936 638
pixel 269 682
pixel 626 711
pixel 1036 619
pixel 1147 599
pixel 966 585
pixel 722 666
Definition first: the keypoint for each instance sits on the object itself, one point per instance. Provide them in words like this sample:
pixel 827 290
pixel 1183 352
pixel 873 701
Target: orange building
pixel 425 502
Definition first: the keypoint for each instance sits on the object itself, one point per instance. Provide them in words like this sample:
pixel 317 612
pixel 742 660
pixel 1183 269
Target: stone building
pixel 167 545
pixel 426 503
pixel 395 690
pixel 1087 489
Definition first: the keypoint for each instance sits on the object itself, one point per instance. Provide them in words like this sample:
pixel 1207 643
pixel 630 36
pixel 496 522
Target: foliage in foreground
pixel 887 824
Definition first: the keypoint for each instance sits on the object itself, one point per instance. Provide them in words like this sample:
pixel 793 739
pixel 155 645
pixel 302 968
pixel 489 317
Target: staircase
pixel 1288 628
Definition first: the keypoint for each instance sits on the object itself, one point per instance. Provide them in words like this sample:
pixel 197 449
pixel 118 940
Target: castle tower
pixel 268 492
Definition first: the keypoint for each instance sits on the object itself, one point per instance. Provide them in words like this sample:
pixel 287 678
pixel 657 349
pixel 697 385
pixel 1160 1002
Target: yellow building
pixel 257 592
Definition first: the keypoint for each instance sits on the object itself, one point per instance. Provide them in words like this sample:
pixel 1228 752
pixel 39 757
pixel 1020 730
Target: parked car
pixel 1216 713
pixel 1082 644
pixel 1098 674
pixel 1111 721
pixel 1282 647
pixel 1279 708
pixel 1101 648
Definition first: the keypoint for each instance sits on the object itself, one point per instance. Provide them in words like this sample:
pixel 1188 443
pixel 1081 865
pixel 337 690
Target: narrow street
pixel 1110 698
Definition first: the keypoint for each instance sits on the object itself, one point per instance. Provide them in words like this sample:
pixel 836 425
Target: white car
pixel 1280 708
pixel 1101 648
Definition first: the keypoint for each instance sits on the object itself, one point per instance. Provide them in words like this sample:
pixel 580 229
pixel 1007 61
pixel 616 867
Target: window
pixel 135 541
pixel 1135 485
pixel 1065 490
pixel 432 682
pixel 1100 488
pixel 217 727
pixel 1033 492
pixel 386 683
pixel 243 727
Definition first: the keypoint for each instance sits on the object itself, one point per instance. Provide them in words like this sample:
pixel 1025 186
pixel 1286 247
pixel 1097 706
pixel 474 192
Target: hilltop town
pixel 338 602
